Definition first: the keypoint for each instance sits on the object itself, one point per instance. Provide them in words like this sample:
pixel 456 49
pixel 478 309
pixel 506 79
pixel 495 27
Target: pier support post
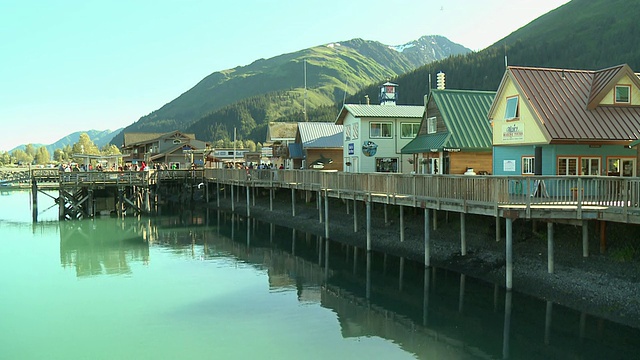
pixel 401 223
pixel 427 239
pixel 34 199
pixel 386 215
pixel 550 261
pixel 509 254
pixel 463 238
pixel 271 194
pixel 326 214
pixel 293 202
pixel 435 220
pixel 585 238
pixel 218 194
pixel 319 205
pixel 355 213
pixel 233 203
pixel 61 204
pixel 498 229
pixel 248 201
pixel 368 204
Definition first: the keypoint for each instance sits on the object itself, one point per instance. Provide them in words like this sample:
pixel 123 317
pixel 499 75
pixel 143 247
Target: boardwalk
pixel 565 198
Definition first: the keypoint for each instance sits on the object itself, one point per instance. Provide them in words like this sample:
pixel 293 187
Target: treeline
pixel 41 156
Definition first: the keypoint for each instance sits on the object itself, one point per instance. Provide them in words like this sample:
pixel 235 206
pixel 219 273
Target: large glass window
pixel 528 165
pixel 621 167
pixel 590 166
pixel 623 94
pixel 380 130
pixel 567 166
pixel 409 130
pixel 512 108
pixel 387 165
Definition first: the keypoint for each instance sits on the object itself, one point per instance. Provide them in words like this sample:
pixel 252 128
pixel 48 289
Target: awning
pixel 426 143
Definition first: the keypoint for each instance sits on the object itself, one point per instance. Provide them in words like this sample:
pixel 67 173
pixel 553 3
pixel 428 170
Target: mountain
pixel 331 70
pixel 99 137
pixel 582 34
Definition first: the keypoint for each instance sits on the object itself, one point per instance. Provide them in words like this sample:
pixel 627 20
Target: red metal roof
pixel 561 100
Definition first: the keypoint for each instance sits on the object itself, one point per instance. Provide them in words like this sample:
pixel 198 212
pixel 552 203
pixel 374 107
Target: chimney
pixel 366 99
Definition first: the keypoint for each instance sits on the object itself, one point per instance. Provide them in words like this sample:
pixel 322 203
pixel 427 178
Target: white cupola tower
pixel 388 93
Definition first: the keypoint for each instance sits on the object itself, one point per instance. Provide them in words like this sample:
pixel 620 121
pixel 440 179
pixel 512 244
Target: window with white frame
pixel 409 130
pixel 528 165
pixel 512 108
pixel 590 166
pixel 623 94
pixel 380 130
pixel 431 125
pixel 354 131
pixel 567 166
pixel 347 132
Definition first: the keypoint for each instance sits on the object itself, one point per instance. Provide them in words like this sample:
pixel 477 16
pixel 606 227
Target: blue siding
pixel 550 154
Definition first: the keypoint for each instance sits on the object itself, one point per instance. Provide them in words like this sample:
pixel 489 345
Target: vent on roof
pixel 440 81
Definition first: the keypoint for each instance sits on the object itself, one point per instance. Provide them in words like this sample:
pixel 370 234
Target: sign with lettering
pixel 351 148
pixel 513 131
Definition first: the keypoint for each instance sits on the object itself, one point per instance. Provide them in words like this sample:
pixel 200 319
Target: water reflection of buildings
pixel 431 313
pixel 103 246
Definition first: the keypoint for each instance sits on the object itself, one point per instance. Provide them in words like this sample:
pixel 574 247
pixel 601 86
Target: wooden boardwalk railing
pixel 557 197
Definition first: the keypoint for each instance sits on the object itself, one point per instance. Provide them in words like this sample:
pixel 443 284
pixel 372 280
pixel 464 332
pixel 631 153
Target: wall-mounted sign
pixel 351 148
pixel 509 165
pixel 451 150
pixel 513 131
pixel 369 148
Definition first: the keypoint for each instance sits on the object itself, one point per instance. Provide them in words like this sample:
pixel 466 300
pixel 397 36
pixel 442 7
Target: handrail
pixel 490 190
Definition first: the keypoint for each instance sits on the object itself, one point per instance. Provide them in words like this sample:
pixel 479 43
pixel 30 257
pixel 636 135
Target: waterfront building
pixel 454 136
pixel 374 135
pixel 318 145
pixel 176 149
pixel 566 122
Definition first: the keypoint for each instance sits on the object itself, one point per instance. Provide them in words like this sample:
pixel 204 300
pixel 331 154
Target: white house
pixel 374 135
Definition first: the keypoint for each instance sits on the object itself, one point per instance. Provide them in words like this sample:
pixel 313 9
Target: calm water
pixel 209 285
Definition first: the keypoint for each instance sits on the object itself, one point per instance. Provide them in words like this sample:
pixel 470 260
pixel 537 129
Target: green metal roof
pixel 426 143
pixel 464 113
pixel 380 111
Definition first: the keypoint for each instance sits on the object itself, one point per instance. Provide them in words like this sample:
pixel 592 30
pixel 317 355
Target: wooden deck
pixel 569 198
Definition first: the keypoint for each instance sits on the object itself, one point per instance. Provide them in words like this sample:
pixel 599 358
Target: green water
pixel 210 285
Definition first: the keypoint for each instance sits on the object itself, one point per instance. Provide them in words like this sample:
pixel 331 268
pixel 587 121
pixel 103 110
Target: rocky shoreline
pixel 605 285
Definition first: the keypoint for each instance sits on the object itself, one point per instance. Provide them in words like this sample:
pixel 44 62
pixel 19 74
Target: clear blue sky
pixel 69 66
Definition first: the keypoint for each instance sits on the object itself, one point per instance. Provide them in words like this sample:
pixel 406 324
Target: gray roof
pixel 380 111
pixel 320 135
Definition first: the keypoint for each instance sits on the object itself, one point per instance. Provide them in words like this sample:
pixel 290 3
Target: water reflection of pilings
pixel 103 246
